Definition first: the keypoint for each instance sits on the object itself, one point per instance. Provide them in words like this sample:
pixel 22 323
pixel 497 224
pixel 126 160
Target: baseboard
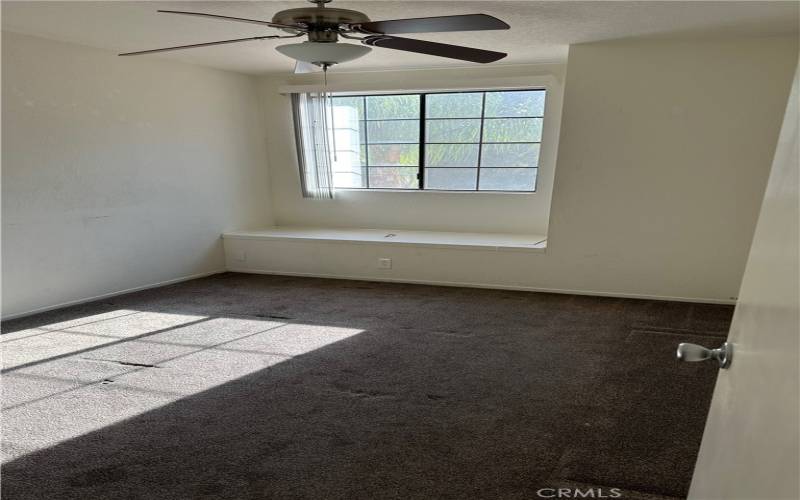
pixel 111 294
pixel 370 278
pixel 493 286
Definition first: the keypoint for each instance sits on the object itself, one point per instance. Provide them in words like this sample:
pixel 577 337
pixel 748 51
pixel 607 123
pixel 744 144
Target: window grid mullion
pixel 480 143
pixel 421 156
pixel 366 139
pixel 458 143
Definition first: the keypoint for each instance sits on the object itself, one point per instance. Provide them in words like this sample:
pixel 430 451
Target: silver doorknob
pixel 694 352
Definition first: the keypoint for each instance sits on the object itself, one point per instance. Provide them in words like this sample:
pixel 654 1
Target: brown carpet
pixel 243 386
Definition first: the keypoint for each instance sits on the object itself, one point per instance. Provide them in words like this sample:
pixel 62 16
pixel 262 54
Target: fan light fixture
pixel 323 53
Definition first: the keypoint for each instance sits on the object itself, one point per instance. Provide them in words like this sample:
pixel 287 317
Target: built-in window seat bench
pixel 479 241
pixel 432 257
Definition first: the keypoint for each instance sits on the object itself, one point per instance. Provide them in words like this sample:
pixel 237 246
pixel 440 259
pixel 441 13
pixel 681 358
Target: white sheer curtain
pixel 312 132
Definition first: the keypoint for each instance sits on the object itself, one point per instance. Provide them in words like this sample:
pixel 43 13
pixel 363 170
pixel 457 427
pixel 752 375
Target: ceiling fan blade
pixel 194 45
pixel 238 19
pixel 434 48
pixel 467 22
pixel 302 67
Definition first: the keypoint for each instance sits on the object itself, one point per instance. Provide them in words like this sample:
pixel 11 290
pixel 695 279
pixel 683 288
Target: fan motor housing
pixel 320 17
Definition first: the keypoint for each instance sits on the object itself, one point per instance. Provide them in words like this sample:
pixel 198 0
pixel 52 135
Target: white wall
pixel 664 152
pixel 120 172
pixel 471 212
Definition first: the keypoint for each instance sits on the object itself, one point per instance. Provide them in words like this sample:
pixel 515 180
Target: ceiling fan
pixel 325 25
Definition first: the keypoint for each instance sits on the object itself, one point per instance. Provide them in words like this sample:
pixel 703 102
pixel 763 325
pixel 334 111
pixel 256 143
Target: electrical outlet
pixel 384 263
pixel 239 256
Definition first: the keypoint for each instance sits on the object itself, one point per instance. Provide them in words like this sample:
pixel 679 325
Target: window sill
pixel 437 239
pixel 432 191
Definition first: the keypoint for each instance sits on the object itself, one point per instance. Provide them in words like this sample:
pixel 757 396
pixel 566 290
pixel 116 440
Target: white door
pixel 750 447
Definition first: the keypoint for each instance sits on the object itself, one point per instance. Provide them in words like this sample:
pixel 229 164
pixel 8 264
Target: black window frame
pixel 422 142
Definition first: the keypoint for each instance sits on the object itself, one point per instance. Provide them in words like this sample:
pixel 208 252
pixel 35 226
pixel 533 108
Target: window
pixel 461 141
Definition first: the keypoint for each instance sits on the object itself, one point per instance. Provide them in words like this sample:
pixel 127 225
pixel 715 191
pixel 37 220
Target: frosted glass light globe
pixel 323 53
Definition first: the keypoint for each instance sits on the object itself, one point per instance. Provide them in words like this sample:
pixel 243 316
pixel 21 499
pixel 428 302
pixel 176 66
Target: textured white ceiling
pixel 540 31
